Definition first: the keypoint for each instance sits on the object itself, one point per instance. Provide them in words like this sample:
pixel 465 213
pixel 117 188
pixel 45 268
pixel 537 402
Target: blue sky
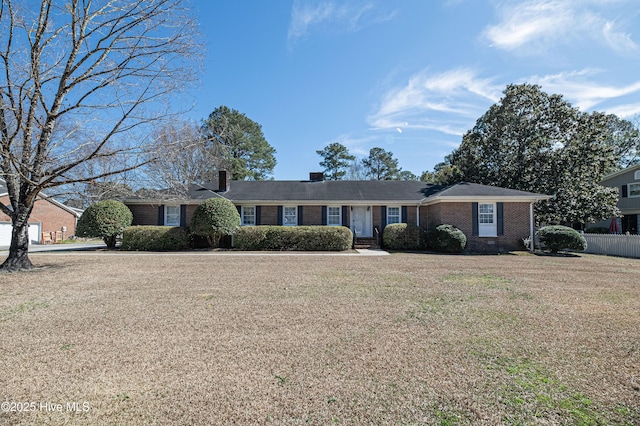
pixel 409 76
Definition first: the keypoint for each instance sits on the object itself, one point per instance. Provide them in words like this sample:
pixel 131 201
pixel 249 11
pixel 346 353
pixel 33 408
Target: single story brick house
pixel 48 217
pixel 492 218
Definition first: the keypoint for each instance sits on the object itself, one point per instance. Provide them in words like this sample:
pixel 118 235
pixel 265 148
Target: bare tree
pixel 182 157
pixel 80 80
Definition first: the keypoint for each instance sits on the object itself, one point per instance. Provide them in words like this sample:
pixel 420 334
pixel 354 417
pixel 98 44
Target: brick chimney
pixel 224 181
pixel 316 176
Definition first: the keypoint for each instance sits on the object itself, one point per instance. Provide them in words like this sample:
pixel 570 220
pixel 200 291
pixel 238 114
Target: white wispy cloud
pixel 626 111
pixel 581 89
pixel 444 102
pixel 333 15
pixel 534 25
pixel 618 40
pixel 451 101
pixel 522 23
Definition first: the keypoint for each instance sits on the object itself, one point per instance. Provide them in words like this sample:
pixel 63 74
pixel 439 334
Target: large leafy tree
pixel 443 173
pixel 624 137
pixel 534 141
pixel 336 160
pixel 381 165
pixel 240 144
pixel 77 77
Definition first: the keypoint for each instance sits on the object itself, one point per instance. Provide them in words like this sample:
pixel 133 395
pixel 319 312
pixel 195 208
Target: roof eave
pixel 620 172
pixel 492 198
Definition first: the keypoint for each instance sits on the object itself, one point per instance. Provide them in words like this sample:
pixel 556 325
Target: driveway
pixel 35 248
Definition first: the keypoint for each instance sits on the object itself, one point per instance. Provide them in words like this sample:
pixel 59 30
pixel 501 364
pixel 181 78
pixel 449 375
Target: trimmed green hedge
pixel 557 237
pixel 154 238
pixel 447 238
pixel 303 238
pixel 402 236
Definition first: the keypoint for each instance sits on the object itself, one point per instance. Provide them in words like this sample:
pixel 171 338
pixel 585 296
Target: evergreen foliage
pixel 402 236
pixel 533 141
pixel 304 238
pixel 380 165
pixel 336 160
pixel 447 238
pixel 557 237
pixel 240 144
pixel 154 238
pixel 215 218
pixel 104 219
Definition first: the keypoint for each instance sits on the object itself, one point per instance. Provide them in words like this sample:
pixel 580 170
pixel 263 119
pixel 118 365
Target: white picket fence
pixel 613 244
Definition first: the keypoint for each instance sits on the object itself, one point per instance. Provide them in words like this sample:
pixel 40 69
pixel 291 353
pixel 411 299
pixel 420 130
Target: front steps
pixel 366 243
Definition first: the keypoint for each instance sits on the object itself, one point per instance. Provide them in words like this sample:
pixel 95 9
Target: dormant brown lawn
pixel 109 338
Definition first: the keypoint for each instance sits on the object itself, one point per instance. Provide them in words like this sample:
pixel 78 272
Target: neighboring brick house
pixel 48 216
pixel 628 183
pixel 492 218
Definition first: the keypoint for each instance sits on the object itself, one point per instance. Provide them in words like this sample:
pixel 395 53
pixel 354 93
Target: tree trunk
pixel 18 259
pixel 110 241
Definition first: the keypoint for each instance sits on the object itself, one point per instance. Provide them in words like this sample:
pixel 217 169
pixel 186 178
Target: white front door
pixel 361 221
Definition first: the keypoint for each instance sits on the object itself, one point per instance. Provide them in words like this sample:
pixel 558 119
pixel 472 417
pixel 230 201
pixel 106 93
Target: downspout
pixel 531 233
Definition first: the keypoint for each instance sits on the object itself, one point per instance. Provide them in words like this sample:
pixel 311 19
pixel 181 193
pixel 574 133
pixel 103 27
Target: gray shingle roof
pixel 466 189
pixel 354 191
pixel 330 190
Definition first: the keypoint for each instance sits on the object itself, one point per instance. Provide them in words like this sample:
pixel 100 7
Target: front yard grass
pixel 280 339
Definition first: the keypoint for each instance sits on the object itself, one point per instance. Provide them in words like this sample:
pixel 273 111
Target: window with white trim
pixel 634 189
pixel 636 175
pixel 290 215
pixel 334 216
pixel 172 215
pixel 487 220
pixel 248 214
pixel 393 215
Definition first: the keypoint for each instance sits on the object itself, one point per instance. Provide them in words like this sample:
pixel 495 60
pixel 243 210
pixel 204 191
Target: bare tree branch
pixel 78 77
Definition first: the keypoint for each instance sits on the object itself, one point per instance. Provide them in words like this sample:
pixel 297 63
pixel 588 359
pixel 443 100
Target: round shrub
pixel 557 237
pixel 104 219
pixel 215 218
pixel 447 238
pixel 402 236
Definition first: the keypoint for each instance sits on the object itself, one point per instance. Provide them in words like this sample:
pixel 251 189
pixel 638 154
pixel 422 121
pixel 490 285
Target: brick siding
pixel 516 225
pixel 269 215
pixel 146 214
pixel 312 215
pixel 50 216
pixel 516 221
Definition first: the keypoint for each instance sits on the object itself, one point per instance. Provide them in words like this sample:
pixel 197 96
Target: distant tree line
pixel 339 164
